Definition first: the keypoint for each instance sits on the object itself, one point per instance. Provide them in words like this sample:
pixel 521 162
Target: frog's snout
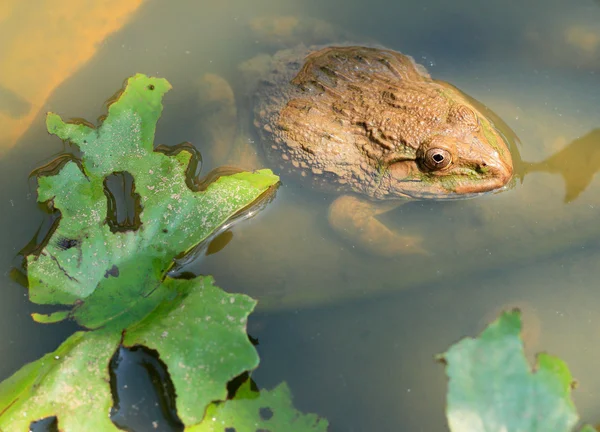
pixel 496 171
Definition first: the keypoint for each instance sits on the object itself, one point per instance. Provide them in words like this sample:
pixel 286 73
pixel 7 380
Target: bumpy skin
pixel 372 122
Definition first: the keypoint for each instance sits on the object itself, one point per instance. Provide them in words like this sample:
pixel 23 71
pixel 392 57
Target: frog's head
pixel 469 156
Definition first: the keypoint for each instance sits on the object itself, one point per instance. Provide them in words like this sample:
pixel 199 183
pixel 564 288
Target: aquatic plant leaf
pixel 492 386
pixel 106 273
pixel 201 337
pixel 71 383
pixel 198 330
pixel 267 410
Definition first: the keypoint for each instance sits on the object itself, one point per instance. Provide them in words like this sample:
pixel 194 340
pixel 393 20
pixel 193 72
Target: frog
pixel 364 123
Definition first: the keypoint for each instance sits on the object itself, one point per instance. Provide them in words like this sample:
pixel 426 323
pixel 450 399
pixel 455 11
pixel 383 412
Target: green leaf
pixel 492 386
pixel 72 383
pixel 117 279
pixel 251 411
pixel 201 337
pixel 198 330
pixel 107 274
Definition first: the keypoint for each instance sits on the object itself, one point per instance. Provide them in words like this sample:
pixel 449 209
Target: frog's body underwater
pixel 370 124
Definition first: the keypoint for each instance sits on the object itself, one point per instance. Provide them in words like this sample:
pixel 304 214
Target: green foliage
pixel 492 386
pixel 250 411
pixel 201 336
pixel 116 280
pixel 71 383
pixel 84 262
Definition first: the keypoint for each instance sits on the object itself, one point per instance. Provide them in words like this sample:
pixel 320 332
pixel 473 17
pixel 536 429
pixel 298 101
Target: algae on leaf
pixel 493 388
pixel 105 273
pixel 251 411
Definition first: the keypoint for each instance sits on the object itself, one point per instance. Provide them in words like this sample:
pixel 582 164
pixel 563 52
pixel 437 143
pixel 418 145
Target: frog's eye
pixel 437 158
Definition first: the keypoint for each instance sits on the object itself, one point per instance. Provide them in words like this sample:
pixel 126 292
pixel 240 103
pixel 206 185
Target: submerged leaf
pixel 251 411
pixel 492 386
pixel 105 273
pixel 72 384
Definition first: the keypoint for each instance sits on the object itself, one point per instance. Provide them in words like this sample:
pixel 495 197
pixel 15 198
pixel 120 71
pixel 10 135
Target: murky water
pixel 355 335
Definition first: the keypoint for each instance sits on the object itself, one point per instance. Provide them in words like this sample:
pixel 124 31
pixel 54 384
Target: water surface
pixel 355 335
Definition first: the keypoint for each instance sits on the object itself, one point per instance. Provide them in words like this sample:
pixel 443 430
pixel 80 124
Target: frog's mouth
pixel 456 197
pixel 455 184
pixel 458 187
pixel 426 195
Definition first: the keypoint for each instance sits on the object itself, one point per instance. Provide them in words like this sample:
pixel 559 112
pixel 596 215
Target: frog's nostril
pixel 481 168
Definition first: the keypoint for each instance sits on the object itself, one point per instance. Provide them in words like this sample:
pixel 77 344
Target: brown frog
pixel 370 125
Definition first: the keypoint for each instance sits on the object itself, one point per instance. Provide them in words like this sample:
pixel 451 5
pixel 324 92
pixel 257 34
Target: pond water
pixel 354 335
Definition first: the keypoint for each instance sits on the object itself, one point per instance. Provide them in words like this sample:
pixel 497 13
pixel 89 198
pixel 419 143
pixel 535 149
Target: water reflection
pixel 143 393
pixel 13 104
pixel 36 56
pixel 564 42
pixel 577 163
